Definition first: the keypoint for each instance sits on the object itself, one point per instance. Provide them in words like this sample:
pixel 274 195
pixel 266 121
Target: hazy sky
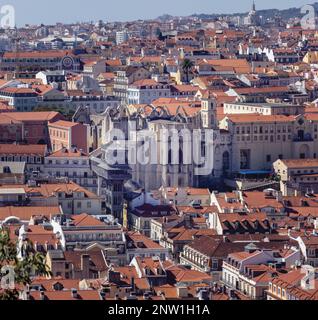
pixel 51 11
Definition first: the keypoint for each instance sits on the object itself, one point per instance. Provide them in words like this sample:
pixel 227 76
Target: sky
pixel 52 11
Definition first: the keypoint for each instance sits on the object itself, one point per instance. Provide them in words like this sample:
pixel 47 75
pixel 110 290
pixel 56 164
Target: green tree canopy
pixel 32 263
pixel 187 67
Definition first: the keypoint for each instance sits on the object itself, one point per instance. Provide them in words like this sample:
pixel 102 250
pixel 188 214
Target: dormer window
pixel 301 122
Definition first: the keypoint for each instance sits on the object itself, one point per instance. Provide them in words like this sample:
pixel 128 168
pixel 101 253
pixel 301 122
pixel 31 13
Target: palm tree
pixel 32 263
pixel 187 66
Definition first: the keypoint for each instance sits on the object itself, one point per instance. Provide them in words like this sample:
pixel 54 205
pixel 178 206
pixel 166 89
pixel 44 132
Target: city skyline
pixel 158 152
pixel 74 11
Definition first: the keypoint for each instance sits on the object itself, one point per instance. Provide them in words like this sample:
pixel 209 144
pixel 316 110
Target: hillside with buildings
pixel 166 159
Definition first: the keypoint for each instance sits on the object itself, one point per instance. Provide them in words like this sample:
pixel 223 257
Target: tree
pixel 20 270
pixel 187 66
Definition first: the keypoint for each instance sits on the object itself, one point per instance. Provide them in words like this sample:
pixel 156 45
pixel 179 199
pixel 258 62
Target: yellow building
pixel 311 57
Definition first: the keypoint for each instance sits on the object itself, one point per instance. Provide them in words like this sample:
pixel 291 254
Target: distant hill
pixel 269 13
pixel 165 17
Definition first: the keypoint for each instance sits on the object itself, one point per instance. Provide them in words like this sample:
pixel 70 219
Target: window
pixel 311 252
pixel 215 264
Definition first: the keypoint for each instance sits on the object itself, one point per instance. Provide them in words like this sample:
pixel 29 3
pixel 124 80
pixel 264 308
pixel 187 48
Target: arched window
pixel 180 156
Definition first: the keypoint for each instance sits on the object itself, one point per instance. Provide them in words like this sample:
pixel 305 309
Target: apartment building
pixel 297 174
pixel 66 134
pixel 146 91
pixel 124 78
pixel 36 61
pixel 42 237
pixel 76 264
pixel 72 198
pixel 263 108
pixel 32 155
pixel 206 254
pixel 27 215
pixel 95 101
pixel 308 244
pixel 185 196
pixel 23 99
pixel 73 165
pixel 121 37
pixel 280 137
pixel 140 218
pixel 139 245
pixel 84 231
pixel 12 172
pixel 250 271
pixel 292 286
pixel 27 127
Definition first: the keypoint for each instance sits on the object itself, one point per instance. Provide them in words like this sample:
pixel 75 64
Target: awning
pixel 254 172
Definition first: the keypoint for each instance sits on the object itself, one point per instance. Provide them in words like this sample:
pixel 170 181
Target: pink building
pixel 66 134
pixel 28 127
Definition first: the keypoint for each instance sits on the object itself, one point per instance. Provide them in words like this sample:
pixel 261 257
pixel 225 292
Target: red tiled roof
pixel 63 124
pixel 31 149
pixel 25 213
pixel 37 54
pixel 69 153
pixel 31 116
pixel 85 220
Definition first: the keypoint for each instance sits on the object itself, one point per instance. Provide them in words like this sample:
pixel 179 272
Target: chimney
pixel 279 196
pixel 74 293
pixel 232 295
pixel 203 295
pixel 132 283
pixel 146 296
pixel 240 196
pixel 85 259
pixel 42 295
pixel 114 276
pixel 182 292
